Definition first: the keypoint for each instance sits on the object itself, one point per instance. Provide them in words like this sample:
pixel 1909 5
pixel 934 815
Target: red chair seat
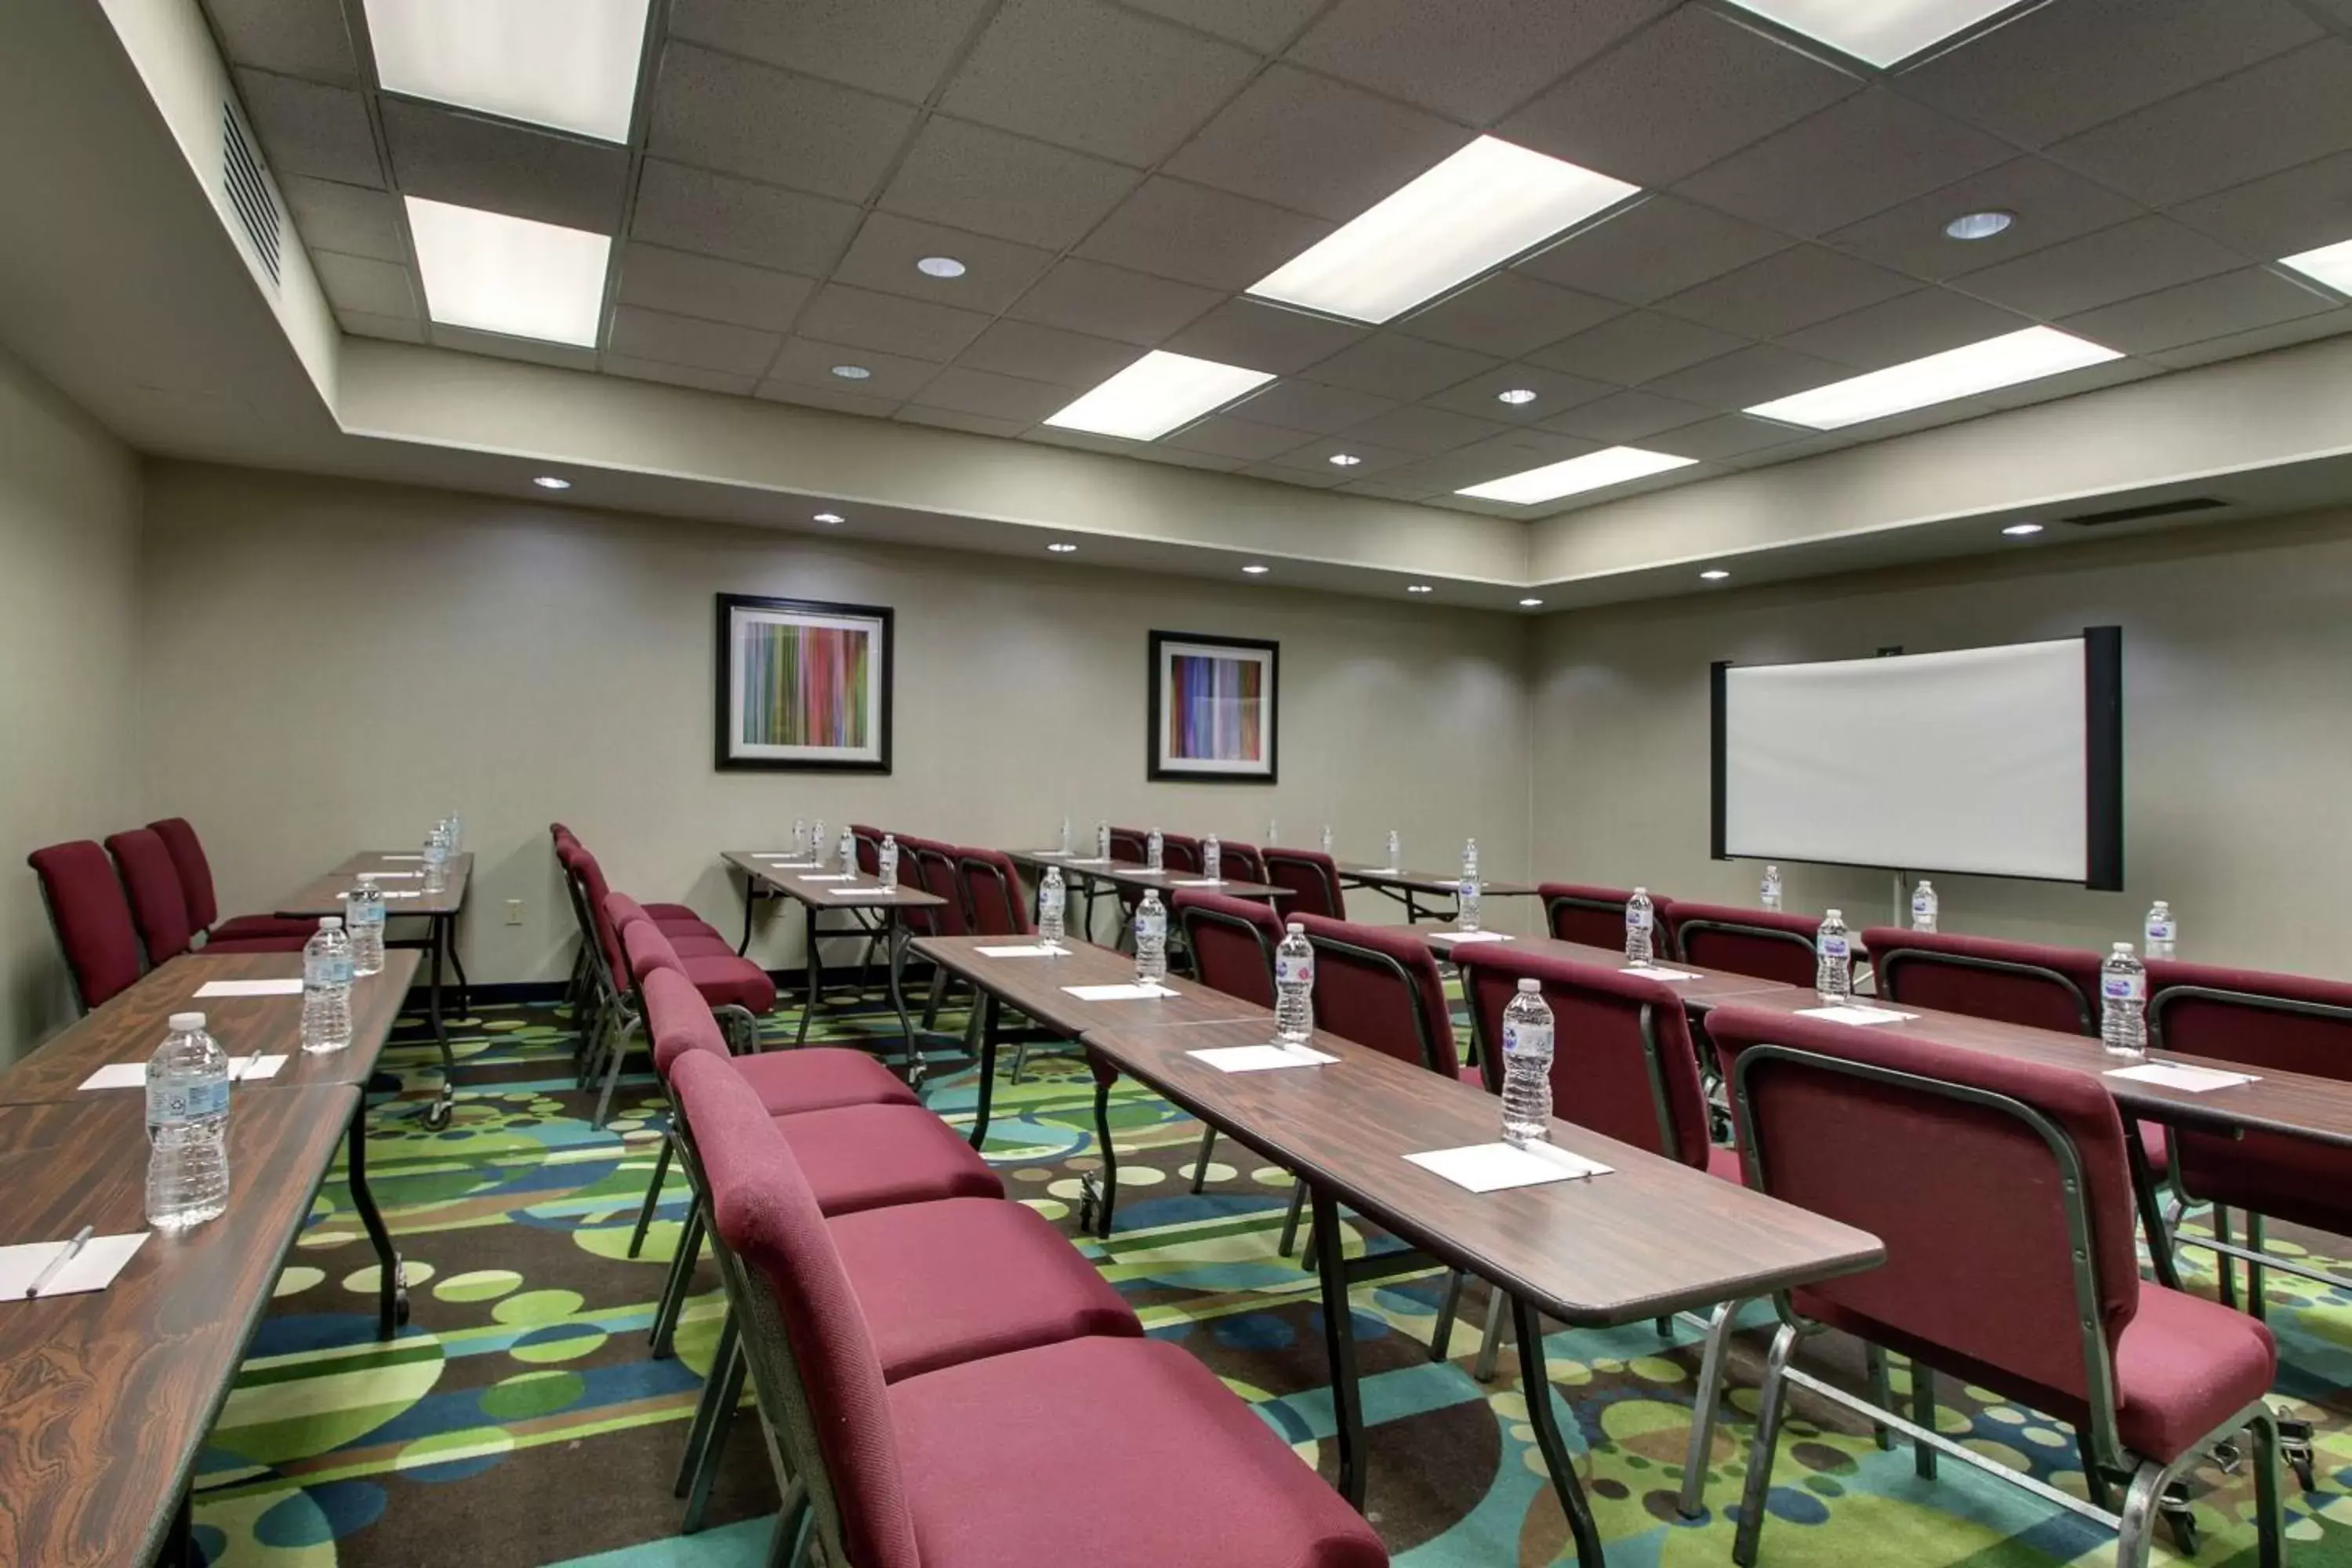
pixel 724 979
pixel 661 913
pixel 1724 1164
pixel 1471 1076
pixel 2158 1147
pixel 950 1283
pixel 699 943
pixel 1154 1464
pixel 819 1078
pixel 247 928
pixel 2184 1366
pixel 872 1156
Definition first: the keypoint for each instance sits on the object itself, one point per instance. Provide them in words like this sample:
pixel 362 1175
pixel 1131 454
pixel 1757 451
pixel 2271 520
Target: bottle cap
pixel 1641 892
pixel 2123 947
pixel 367 879
pixel 187 1023
pixel 1835 915
pixel 1295 928
pixel 331 922
pixel 1529 986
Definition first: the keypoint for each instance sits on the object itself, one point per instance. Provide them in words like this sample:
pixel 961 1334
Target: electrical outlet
pixel 514 912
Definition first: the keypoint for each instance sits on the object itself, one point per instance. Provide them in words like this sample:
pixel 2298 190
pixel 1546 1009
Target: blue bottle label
pixel 1519 1038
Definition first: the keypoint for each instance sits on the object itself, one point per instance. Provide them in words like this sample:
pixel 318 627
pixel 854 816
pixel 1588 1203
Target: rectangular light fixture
pixel 2000 362
pixel 1156 394
pixel 1476 210
pixel 1879 31
pixel 1612 466
pixel 2330 264
pixel 569 64
pixel 508 275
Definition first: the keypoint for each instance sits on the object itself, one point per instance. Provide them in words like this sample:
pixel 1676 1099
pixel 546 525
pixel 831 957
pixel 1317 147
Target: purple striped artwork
pixel 1216 709
pixel 804 685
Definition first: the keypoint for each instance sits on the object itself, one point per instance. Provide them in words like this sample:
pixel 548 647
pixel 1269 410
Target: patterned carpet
pixel 517 1421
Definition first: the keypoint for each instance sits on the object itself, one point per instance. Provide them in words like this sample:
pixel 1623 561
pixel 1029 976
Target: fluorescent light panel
pixel 569 64
pixel 1613 466
pixel 508 275
pixel 2000 362
pixel 2331 264
pixel 1879 31
pixel 1156 394
pixel 1479 208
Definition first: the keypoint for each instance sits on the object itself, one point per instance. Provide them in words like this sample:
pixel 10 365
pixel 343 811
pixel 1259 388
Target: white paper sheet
pixel 101 1258
pixel 1381 871
pixel 1654 972
pixel 1261 1059
pixel 2175 1075
pixel 400 856
pixel 825 877
pixel 1129 992
pixel 1855 1013
pixel 1024 950
pixel 1492 1167
pixel 1051 855
pixel 401 893
pixel 784 861
pixel 133 1075
pixel 288 985
pixel 1200 882
pixel 861 892
pixel 380 876
pixel 1090 861
pixel 1456 938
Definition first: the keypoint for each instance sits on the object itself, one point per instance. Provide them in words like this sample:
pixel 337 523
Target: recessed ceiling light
pixel 1344 459
pixel 1516 396
pixel 1714 575
pixel 1481 207
pixel 508 275
pixel 1257 571
pixel 1530 604
pixel 1610 466
pixel 2023 530
pixel 1879 31
pixel 1418 588
pixel 549 482
pixel 829 517
pixel 1978 226
pixel 2004 361
pixel 1062 549
pixel 940 266
pixel 852 371
pixel 1156 394
pixel 2331 264
pixel 570 64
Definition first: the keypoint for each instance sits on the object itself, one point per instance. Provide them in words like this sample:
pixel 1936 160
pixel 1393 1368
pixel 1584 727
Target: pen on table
pixel 73 1249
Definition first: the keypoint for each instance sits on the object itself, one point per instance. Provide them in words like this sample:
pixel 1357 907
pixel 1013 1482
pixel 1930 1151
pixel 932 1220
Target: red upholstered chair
pixel 160 908
pixel 1313 878
pixel 2002 1193
pixel 990 887
pixel 868 843
pixel 1767 944
pixel 954 1468
pixel 188 859
pixel 1127 845
pixel 1181 852
pixel 1242 862
pixel 1232 942
pixel 1596 916
pixel 91 918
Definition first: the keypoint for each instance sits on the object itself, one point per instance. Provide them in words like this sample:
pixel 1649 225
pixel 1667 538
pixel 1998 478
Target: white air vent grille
pixel 249 192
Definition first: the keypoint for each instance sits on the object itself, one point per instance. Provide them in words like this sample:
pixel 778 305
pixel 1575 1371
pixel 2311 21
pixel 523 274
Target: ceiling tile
pixel 1473 60
pixel 690 285
pixel 400 330
pixel 1260 24
pixel 900 48
pixel 1385 488
pixel 915 328
pixel 1906 328
pixel 1191 233
pixel 1316 145
pixel 1625 418
pixel 1725 436
pixel 640 333
pixel 690 209
pixel 297 38
pixel 1315 457
pixel 2219 307
pixel 2287 110
pixel 951 419
pixel 2052 205
pixel 1516 452
pixel 826 397
pixel 2116 263
pixel 1423 429
pixel 1177 458
pixel 679 375
pixel 2261 340
pixel 2057 69
pixel 1745 377
pixel 888 246
pixel 1048 354
pixel 1112 302
pixel 1262 336
pixel 1508 314
pixel 376 287
pixel 1676 98
pixel 803 362
pixel 1310 406
pixel 307 129
pixel 1657 247
pixel 1857 157
pixel 348 218
pixel 971 176
pixel 1223 436
pixel 496 165
pixel 1390 364
pixel 1325 478
pixel 1792 288
pixel 1554 390
pixel 2284 214
pixel 724 113
pixel 1081 74
pixel 970 390
pixel 1637 347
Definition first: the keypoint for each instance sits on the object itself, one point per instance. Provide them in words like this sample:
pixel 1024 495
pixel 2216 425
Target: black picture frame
pixel 1158 767
pixel 728 755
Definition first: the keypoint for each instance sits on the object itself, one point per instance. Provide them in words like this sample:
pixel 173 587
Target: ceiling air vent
pixel 2138 513
pixel 248 191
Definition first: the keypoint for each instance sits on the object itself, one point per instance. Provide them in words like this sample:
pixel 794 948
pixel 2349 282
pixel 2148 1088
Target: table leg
pixel 984 1007
pixel 895 935
pixel 1106 1179
pixel 815 966
pixel 2151 1210
pixel 1413 909
pixel 1339 1346
pixel 751 904
pixel 1535 1386
pixel 391 1290
pixel 436 1115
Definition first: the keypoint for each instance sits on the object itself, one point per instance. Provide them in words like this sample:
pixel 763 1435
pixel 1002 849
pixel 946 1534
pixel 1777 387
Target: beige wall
pixel 69 586
pixel 2237 732
pixel 518 662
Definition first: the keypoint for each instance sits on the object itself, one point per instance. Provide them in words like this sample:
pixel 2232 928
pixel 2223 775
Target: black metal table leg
pixel 895 935
pixel 815 967
pixel 985 1008
pixel 436 1115
pixel 1339 1345
pixel 178 1548
pixel 1535 1385
pixel 1104 1182
pixel 2151 1211
pixel 391 1291
pixel 751 903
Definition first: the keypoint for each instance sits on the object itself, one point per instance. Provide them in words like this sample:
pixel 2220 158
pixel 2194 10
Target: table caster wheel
pixel 2294 1447
pixel 1090 1197
pixel 400 1305
pixel 436 1115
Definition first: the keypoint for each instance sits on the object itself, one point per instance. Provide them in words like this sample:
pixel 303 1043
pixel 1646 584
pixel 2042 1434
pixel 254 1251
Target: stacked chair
pixel 196 873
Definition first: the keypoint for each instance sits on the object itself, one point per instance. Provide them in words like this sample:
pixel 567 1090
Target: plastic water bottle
pixel 1833 963
pixel 1527 1067
pixel 1639 919
pixel 1050 901
pixel 436 861
pixel 1771 887
pixel 800 838
pixel 1066 835
pixel 1294 987
pixel 2161 931
pixel 457 835
pixel 1155 851
pixel 886 859
pixel 363 920
pixel 327 988
pixel 816 840
pixel 2122 1003
pixel 187 1127
pixel 1468 897
pixel 1272 831
pixel 1396 850
pixel 1469 857
pixel 1923 906
pixel 1102 841
pixel 1150 939
pixel 1212 858
pixel 1327 838
pixel 845 852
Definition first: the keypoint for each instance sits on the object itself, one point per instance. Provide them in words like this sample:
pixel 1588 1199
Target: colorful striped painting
pixel 1216 709
pixel 804 685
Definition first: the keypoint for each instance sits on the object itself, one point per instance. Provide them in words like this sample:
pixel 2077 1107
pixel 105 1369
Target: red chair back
pixel 1766 944
pixel 646 948
pixel 1242 863
pixel 2012 982
pixel 936 863
pixel 158 906
pixel 1181 852
pixel 594 894
pixel 1313 878
pixel 1379 987
pixel 188 852
pixel 990 889
pixel 1596 916
pixel 677 1018
pixel 91 918
pixel 869 842
pixel 1232 942
pixel 1127 845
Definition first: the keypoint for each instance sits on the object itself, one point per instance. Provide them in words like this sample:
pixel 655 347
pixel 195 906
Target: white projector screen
pixel 1998 761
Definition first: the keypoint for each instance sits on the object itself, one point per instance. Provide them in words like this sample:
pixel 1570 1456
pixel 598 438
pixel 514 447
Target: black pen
pixel 73 1249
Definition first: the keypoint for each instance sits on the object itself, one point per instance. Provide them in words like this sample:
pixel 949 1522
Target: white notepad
pixel 1381 871
pixel 1261 1059
pixel 133 1075
pixel 786 861
pixel 101 1258
pixel 1090 861
pixel 1027 949
pixel 1492 1167
pixel 1051 855
pixel 1200 882
pixel 2174 1075
pixel 1855 1013
pixel 860 892
pixel 401 893
pixel 380 876
pixel 1656 974
pixel 825 877
pixel 1128 993
pixel 1456 938
pixel 289 985
pixel 400 856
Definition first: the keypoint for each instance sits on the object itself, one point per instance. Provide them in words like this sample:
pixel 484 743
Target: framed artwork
pixel 1213 708
pixel 803 685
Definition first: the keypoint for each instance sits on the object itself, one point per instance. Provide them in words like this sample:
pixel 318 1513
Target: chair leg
pixel 729 1376
pixel 2222 1261
pixel 788 1547
pixel 1882 1393
pixel 1923 1413
pixel 706 1408
pixel 653 1195
pixel 1200 1160
pixel 1290 1220
pixel 1700 1451
pixel 2256 1301
pixel 681 1279
pixel 1441 1334
pixel 1490 1348
pixel 2136 1533
pixel 613 1072
pixel 2270 1520
pixel 1761 1456
pixel 2095 1482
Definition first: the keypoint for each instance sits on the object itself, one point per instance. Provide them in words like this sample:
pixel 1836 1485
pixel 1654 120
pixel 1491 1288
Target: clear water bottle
pixel 436 861
pixel 1527 1067
pixel 2160 930
pixel 1834 962
pixel 1150 939
pixel 327 988
pixel 800 838
pixel 187 1127
pixel 1469 902
pixel 1272 831
pixel 1050 901
pixel 1066 835
pixel 1396 850
pixel 816 840
pixel 1771 890
pixel 844 852
pixel 1923 906
pixel 1469 857
pixel 363 923
pixel 1212 858
pixel 1294 987
pixel 2122 1003
pixel 1102 841
pixel 1639 920
pixel 886 859
pixel 457 835
pixel 1327 838
pixel 1155 851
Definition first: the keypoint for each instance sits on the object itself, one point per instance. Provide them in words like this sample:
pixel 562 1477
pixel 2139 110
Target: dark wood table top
pixel 324 895
pixel 106 1397
pixel 1712 988
pixel 1033 986
pixel 791 881
pixel 129 1028
pixel 1651 1237
pixel 1127 874
pixel 1365 874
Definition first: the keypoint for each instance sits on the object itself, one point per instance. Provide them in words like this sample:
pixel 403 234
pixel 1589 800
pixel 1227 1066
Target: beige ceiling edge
pixel 2184 429
pixel 395 392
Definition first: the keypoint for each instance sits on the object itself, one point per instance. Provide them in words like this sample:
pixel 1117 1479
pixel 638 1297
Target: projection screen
pixel 2001 762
